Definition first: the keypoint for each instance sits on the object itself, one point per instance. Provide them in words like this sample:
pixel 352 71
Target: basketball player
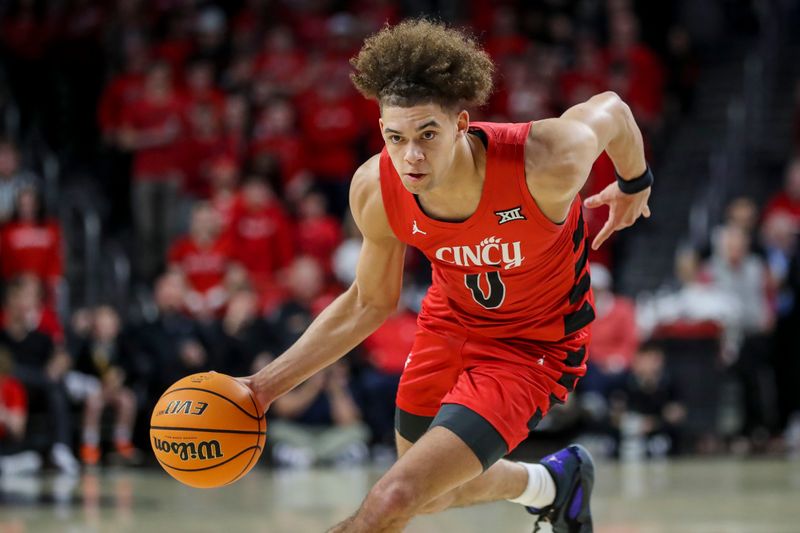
pixel 504 328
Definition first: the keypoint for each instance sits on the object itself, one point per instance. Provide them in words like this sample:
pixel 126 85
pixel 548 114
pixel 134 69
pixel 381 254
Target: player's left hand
pixel 624 209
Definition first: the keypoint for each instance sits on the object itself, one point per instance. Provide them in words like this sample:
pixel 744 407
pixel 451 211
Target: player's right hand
pixel 259 394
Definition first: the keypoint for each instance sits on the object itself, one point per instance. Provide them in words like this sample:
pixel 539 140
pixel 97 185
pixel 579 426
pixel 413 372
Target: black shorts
pixel 482 438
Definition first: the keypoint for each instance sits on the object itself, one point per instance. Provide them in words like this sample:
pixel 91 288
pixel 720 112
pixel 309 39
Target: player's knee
pixel 393 499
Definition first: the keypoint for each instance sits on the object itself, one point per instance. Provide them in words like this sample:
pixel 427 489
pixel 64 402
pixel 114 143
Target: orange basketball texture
pixel 207 430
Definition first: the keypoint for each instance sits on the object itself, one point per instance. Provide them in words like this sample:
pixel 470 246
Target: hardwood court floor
pixel 689 496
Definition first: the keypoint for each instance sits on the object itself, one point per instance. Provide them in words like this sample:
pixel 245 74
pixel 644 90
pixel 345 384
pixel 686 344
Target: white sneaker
pixel 292 456
pixel 354 454
pixel 20 464
pixel 64 459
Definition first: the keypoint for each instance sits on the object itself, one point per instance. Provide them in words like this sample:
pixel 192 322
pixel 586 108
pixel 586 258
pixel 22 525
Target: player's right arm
pixel 354 315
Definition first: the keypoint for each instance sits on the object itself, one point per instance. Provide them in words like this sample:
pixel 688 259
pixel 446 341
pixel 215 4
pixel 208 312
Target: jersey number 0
pixel 497 291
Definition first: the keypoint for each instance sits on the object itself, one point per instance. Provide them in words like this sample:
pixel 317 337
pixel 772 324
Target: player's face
pixel 422 140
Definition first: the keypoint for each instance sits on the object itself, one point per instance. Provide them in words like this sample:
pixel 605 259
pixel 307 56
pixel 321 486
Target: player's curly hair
pixel 420 61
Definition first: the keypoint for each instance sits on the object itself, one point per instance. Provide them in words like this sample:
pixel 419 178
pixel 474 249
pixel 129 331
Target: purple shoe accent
pixel 577 502
pixel 556 461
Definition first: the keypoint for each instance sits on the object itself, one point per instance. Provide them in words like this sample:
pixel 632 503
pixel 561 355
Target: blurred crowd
pixel 223 145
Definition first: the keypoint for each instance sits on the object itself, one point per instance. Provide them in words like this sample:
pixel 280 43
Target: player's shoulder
pixel 557 145
pixel 366 200
pixel 366 180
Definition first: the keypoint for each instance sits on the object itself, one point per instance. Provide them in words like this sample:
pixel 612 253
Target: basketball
pixel 207 430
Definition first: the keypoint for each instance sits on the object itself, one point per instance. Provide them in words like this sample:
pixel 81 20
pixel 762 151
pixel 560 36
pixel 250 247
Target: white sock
pixel 122 434
pixel 91 437
pixel 541 489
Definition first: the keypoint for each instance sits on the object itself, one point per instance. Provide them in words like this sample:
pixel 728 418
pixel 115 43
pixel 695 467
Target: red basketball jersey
pixel 507 271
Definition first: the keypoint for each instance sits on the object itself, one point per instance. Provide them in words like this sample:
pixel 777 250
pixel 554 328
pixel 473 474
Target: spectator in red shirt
pixel 630 59
pixel 235 122
pixel 615 338
pixel 13 405
pixel 204 144
pixel 281 61
pixel 224 177
pixel 525 97
pixel 587 77
pixel 38 314
pixel 13 422
pixel 177 45
pixel 788 199
pixel 263 237
pixel 31 242
pixel 203 258
pixel 151 127
pixel 276 134
pixel 200 87
pixel 504 39
pixel 332 126
pixel 318 233
pixel 123 89
pixel 386 350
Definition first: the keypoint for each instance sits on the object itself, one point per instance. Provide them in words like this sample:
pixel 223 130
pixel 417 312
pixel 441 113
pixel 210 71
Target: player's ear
pixel 462 121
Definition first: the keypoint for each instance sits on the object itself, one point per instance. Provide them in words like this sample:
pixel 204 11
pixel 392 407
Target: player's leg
pixel 498 388
pixel 503 480
pixel 439 462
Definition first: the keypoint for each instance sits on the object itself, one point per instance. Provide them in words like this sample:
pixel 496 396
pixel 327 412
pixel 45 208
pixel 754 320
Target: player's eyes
pixel 429 135
pixel 394 139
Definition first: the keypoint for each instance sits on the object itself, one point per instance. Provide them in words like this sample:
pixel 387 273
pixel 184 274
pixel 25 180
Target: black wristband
pixel 636 184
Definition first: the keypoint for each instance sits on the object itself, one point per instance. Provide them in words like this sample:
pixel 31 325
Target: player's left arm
pixel 560 152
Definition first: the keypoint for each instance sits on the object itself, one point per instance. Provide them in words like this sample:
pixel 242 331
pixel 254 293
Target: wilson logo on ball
pixel 202 450
pixel 188 407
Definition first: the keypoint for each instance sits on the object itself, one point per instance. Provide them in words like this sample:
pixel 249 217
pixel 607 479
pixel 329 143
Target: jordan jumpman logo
pixel 415 229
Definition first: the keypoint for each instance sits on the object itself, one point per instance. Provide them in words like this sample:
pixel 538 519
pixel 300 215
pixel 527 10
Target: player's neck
pixel 458 193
